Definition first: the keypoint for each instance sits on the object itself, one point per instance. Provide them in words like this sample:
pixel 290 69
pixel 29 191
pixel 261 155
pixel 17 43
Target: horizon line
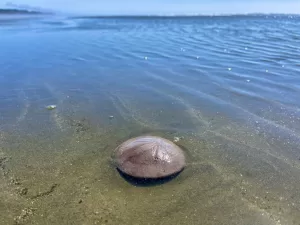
pixel 183 15
pixel 87 15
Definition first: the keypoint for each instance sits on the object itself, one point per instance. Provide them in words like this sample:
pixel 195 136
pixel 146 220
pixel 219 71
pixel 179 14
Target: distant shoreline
pixel 18 12
pixel 7 11
pixel 185 16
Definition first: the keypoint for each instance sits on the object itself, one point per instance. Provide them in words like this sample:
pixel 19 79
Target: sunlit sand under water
pixel 239 128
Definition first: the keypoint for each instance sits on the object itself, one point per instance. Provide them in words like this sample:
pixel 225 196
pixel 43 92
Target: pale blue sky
pixel 165 6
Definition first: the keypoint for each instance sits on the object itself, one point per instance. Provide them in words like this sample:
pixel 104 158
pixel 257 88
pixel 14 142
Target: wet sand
pixel 236 174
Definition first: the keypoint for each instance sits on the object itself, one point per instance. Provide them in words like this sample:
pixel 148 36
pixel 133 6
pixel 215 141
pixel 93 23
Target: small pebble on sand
pixel 51 107
pixel 176 139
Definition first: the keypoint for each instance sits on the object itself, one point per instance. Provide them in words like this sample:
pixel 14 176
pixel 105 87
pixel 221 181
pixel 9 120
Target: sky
pixel 165 7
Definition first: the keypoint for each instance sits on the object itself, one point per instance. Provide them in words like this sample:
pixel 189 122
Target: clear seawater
pixel 228 87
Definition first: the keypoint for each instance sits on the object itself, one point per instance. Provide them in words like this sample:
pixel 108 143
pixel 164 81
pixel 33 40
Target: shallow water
pixel 229 87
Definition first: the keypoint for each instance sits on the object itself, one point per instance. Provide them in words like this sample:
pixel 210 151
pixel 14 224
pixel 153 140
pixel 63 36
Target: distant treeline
pixel 17 11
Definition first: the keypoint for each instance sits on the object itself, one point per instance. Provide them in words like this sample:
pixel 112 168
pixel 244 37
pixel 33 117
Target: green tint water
pixel 68 176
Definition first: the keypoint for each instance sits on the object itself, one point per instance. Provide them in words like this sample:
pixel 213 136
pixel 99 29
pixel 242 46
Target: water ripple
pixel 248 64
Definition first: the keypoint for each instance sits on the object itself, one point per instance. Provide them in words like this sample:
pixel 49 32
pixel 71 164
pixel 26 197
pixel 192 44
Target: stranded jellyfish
pixel 149 157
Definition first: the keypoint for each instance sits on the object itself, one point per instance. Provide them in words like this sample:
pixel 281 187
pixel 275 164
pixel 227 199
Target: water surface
pixel 228 87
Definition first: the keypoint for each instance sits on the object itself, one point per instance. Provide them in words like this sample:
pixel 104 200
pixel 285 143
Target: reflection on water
pixel 228 87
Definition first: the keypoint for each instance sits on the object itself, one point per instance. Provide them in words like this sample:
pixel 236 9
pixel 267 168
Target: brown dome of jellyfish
pixel 149 157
